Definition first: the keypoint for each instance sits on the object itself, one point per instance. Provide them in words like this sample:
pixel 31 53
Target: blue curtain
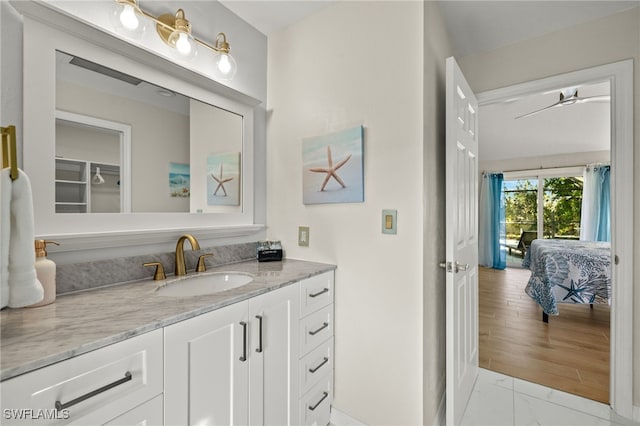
pixel 492 233
pixel 595 220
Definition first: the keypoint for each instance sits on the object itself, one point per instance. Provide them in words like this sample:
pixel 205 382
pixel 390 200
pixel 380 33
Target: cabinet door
pixel 206 369
pixel 273 384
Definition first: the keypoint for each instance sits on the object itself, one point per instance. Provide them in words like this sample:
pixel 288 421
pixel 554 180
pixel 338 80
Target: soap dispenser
pixel 46 273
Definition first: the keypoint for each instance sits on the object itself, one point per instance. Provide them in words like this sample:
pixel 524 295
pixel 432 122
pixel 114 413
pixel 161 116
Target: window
pixel 548 201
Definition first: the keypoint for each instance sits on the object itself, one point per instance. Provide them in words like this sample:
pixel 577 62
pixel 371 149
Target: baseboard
pixel 624 421
pixel 338 418
pixel 441 414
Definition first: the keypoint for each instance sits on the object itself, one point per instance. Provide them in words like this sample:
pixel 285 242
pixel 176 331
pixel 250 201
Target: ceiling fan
pixel 569 96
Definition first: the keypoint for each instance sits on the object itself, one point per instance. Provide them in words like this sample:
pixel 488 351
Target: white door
pixel 273 357
pixel 206 369
pixel 462 241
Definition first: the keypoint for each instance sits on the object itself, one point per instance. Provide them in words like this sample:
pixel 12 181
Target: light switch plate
pixel 389 221
pixel 303 236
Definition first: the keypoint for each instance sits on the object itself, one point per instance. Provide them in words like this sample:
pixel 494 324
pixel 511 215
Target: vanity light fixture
pixel 125 17
pixel 175 31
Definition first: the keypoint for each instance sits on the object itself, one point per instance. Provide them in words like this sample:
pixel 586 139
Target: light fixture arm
pixel 167 23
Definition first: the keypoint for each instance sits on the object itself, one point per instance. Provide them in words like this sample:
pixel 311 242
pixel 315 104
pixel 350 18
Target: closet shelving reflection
pixel 76 192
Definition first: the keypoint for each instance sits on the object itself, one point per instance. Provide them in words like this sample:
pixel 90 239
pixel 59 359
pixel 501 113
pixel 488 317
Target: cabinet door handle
pixel 324 396
pixel 324 325
pixel 259 317
pixel 243 358
pixel 324 361
pixel 62 406
pixel 324 290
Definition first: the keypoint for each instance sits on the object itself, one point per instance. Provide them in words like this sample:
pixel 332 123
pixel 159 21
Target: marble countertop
pixel 74 324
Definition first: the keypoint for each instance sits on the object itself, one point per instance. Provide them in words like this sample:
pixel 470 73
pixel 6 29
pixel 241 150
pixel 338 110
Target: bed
pixel 568 271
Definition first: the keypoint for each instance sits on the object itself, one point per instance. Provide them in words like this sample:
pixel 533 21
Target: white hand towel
pixel 24 287
pixel 5 233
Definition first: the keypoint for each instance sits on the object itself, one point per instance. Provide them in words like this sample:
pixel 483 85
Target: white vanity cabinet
pixel 316 349
pixel 236 365
pixel 112 385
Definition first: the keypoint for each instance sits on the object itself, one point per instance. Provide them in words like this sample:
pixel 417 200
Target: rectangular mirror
pixel 167 164
pixel 107 120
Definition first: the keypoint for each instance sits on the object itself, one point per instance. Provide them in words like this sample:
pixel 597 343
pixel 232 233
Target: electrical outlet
pixel 303 236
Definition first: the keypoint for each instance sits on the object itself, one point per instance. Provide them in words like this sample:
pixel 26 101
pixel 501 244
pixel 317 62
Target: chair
pixel 523 243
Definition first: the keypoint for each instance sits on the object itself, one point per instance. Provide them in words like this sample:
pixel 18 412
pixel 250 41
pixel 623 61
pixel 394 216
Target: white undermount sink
pixel 203 283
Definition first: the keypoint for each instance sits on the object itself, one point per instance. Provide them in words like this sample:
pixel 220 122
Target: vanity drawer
pixel 316 365
pixel 149 413
pixel 315 405
pixel 92 388
pixel 315 329
pixel 316 292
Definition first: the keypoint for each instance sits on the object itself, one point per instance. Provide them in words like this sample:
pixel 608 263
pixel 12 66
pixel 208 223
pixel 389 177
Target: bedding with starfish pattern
pixel 568 271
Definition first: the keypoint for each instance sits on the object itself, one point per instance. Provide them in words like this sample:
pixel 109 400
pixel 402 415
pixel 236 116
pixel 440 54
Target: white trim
pixel 441 414
pixel 620 75
pixel 99 240
pixel 544 173
pixel 339 418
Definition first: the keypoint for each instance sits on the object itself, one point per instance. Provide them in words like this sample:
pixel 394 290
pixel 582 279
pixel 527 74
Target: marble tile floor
pixel 499 400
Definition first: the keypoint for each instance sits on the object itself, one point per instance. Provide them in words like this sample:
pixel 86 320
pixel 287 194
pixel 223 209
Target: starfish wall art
pixel 223 175
pixel 327 182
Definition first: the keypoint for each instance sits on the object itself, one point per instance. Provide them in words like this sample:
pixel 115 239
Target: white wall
pixel 603 41
pixel 11 71
pixel 368 69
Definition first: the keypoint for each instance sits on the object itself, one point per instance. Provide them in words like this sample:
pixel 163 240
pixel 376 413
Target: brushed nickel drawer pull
pixel 259 317
pixel 61 406
pixel 324 325
pixel 324 396
pixel 324 361
pixel 324 290
pixel 243 358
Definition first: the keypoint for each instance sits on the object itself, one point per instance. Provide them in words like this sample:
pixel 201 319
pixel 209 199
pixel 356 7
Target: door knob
pixel 457 267
pixel 460 267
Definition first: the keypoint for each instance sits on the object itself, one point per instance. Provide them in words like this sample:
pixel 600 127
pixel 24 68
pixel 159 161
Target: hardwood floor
pixel 570 353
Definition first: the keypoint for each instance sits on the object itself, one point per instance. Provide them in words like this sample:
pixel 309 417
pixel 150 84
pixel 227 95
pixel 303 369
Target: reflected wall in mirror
pixel 165 128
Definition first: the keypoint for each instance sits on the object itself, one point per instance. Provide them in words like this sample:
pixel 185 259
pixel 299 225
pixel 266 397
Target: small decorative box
pixel 268 251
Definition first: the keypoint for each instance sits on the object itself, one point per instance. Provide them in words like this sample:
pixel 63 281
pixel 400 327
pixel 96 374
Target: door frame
pixel 620 76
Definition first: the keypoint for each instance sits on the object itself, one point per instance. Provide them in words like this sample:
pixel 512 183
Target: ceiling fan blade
pixel 537 111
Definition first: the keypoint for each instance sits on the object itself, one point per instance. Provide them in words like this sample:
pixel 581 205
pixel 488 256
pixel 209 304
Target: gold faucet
pixel 181 266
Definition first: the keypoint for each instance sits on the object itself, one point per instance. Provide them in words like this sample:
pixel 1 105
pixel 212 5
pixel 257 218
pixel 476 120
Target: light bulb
pixel 128 18
pixel 183 44
pixel 125 19
pixel 223 64
pixel 226 67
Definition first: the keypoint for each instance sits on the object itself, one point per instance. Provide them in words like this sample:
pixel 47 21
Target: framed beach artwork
pixel 223 179
pixel 332 167
pixel 179 180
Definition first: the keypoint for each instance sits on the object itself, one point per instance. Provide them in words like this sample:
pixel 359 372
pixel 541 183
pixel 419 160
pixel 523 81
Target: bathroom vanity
pixel 258 354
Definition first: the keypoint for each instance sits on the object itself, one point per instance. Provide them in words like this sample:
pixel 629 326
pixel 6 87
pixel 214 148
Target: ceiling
pixel 270 16
pixel 480 26
pixel 581 127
